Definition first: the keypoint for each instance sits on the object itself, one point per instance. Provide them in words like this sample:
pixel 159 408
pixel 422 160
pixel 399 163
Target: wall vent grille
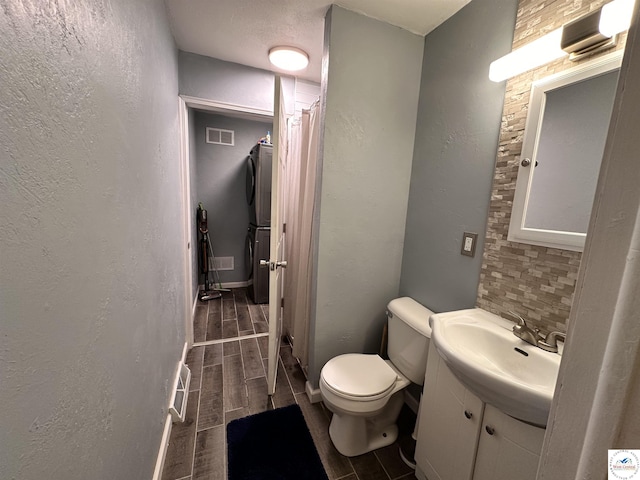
pixel 219 136
pixel 223 263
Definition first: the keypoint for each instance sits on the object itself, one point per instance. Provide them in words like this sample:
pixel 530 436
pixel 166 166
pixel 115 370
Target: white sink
pixel 504 371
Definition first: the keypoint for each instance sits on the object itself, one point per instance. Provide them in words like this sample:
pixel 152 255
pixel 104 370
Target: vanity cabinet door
pixel 508 448
pixel 450 421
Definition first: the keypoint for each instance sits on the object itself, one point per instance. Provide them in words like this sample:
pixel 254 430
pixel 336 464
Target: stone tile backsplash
pixel 535 282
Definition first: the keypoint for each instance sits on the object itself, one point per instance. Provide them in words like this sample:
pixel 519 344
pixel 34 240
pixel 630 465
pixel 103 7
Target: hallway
pixel 228 382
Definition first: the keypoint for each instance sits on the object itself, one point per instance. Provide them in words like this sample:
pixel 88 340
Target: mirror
pixel 564 140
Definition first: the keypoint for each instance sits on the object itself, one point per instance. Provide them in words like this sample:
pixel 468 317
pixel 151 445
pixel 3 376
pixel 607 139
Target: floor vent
pixel 219 136
pixel 223 263
pixel 179 404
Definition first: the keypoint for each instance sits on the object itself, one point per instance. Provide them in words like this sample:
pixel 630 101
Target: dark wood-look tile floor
pixel 229 381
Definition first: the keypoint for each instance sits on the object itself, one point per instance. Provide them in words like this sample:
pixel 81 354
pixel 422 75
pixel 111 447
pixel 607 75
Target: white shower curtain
pixel 303 145
pixel 292 195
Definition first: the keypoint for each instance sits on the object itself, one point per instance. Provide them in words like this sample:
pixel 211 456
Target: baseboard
pixel 164 445
pixel 313 394
pixel 195 304
pixel 168 423
pixel 246 283
pixel 411 402
pixel 235 284
pixel 183 357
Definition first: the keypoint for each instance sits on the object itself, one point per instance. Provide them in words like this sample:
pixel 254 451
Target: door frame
pixel 277 235
pixel 185 102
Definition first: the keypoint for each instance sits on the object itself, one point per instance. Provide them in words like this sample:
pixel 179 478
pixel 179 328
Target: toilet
pixel 364 392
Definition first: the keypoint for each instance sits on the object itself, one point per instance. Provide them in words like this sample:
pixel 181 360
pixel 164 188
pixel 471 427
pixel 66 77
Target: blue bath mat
pixel 273 445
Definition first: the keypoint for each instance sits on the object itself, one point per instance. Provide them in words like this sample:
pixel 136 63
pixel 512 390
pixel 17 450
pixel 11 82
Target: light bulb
pixel 616 17
pixel 288 58
pixel 543 50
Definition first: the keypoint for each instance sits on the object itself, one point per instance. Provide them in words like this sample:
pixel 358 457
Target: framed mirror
pixel 563 145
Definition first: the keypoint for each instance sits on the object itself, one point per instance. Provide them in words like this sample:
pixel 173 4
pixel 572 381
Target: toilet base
pixel 354 435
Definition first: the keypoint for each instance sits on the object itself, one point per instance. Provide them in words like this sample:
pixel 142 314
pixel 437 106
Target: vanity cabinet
pixel 462 438
pixel 507 448
pixel 449 425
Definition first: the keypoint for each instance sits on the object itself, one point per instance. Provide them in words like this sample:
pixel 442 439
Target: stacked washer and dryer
pixel 259 164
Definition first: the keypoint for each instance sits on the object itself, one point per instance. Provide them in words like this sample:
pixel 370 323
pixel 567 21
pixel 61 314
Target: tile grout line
pixel 204 345
pixel 244 372
pixel 229 339
pixel 224 417
pixel 246 303
pixel 355 472
pixel 195 434
pixel 295 398
pixel 253 323
pixel 224 384
pixel 195 429
pixel 286 375
pixel 235 309
pixel 348 474
pixel 375 454
pixel 224 431
pixel 224 413
pixel 226 453
pixel 201 377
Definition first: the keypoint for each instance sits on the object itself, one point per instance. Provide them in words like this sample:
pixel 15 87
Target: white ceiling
pixel 243 31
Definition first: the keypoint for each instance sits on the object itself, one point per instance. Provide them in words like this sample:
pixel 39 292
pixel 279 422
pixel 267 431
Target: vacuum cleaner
pixel 206 259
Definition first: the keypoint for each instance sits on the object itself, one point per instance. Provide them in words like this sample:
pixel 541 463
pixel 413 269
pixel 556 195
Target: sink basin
pixel 503 370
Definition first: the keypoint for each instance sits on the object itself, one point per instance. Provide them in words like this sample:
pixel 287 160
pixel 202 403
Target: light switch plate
pixel 469 241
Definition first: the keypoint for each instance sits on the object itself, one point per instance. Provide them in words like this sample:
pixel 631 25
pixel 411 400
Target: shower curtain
pixel 303 147
pixel 292 196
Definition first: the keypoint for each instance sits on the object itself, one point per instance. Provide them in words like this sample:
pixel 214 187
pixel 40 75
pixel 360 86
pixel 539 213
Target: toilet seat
pixel 359 377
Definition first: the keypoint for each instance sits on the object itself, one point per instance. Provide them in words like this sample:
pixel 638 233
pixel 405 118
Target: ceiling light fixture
pixel 291 59
pixel 586 35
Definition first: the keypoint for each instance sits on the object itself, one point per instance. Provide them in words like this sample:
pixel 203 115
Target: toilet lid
pixel 359 375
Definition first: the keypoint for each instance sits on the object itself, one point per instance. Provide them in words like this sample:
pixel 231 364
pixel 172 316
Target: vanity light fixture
pixel 587 34
pixel 543 50
pixel 291 59
pixel 616 17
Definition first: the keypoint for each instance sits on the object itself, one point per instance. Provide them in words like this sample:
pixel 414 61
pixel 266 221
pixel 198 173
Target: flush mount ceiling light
pixel 586 35
pixel 291 59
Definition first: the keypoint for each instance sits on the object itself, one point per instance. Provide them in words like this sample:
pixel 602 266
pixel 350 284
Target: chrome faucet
pixel 524 332
pixel 550 343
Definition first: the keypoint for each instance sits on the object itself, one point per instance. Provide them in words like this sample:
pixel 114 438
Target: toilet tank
pixel 409 335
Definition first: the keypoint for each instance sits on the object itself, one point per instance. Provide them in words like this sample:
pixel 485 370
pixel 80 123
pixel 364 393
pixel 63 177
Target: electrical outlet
pixel 469 241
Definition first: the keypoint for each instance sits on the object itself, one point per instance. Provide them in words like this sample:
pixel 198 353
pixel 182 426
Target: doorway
pixel 197 329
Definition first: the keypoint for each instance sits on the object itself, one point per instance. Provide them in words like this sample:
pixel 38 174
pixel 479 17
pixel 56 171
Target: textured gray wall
pixel 455 150
pixel 369 124
pixel 221 186
pixel 91 279
pixel 213 79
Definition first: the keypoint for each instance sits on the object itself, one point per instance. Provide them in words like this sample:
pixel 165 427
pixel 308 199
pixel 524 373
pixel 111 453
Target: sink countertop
pixel 481 350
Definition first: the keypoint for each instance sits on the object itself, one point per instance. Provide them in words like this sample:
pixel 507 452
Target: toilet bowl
pixel 365 407
pixel 365 392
